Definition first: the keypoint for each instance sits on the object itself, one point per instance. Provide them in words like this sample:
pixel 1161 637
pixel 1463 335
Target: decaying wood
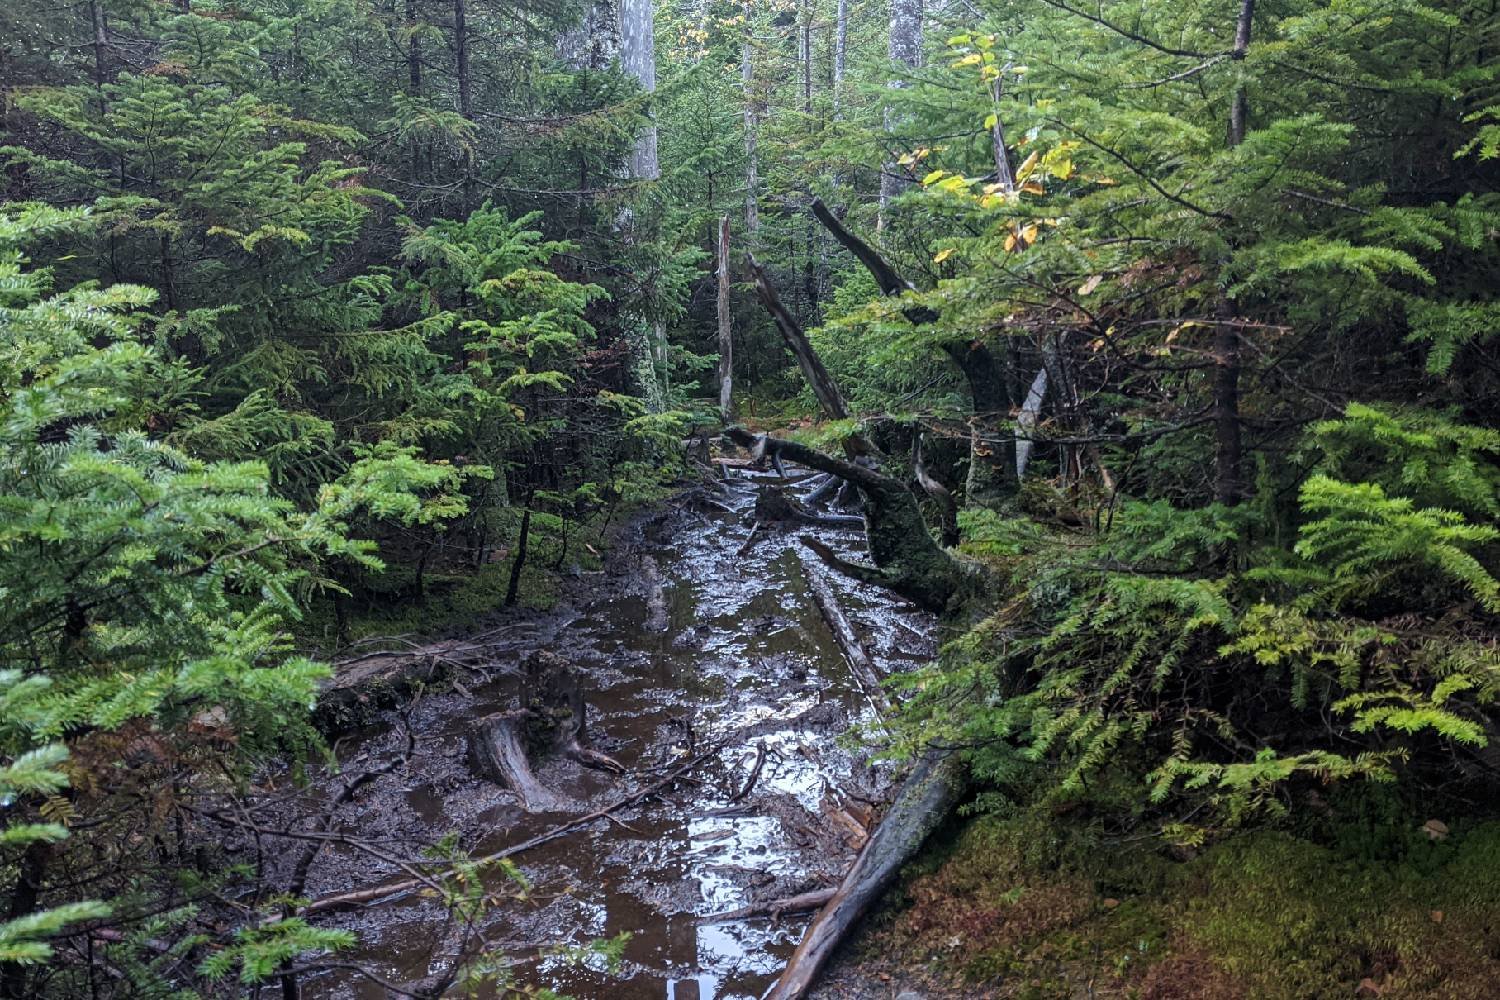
pixel 396 887
pixel 773 908
pixel 926 796
pixel 907 559
pixel 775 506
pixel 657 619
pixel 991 477
pixel 824 389
pixel 860 664
pixel 497 751
pixel 553 722
pixel 940 494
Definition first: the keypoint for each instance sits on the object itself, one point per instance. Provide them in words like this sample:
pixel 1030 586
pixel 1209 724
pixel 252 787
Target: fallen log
pixel 925 798
pixel 656 597
pixel 396 887
pixel 860 664
pixel 774 506
pixel 773 908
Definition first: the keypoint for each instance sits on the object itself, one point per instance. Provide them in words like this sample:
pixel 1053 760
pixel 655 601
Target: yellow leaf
pixel 1029 234
pixel 1010 241
pixel 1031 187
pixel 1027 166
pixel 991 119
pixel 972 59
pixel 933 177
pixel 943 255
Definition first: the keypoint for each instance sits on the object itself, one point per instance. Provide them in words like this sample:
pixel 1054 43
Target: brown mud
pixel 679 642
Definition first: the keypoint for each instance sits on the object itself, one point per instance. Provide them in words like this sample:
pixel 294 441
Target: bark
pixel 907 559
pixel 925 798
pixel 1239 111
pixel 1026 422
pixel 840 54
pixel 414 78
pixel 461 58
pixel 512 589
pixel 860 665
pixel 821 383
pixel 991 470
pixel 940 494
pixel 773 908
pixel 752 110
pixel 25 899
pixel 638 60
pixel 905 48
pixel 1227 447
pixel 726 332
pixel 595 43
pixel 497 751
pixel 1004 176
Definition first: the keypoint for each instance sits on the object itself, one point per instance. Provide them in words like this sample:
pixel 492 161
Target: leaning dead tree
pixel 992 465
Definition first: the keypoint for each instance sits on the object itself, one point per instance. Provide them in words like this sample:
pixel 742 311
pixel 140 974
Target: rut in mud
pixel 680 642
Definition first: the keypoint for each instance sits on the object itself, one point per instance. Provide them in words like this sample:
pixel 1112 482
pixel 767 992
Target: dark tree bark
pixel 514 586
pixel 907 559
pixel 992 475
pixel 822 384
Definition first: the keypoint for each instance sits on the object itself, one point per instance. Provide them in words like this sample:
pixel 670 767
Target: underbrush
pixel 1037 905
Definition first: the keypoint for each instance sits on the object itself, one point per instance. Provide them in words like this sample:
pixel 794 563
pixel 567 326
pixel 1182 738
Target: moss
pixel 1038 904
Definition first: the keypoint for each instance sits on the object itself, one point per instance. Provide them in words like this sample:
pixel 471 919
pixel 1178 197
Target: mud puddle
pixel 679 642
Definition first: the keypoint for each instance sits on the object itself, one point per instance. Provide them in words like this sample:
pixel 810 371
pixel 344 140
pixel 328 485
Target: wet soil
pixel 679 642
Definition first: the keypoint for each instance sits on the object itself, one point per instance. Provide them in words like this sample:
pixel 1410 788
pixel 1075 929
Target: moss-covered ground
pixel 1367 902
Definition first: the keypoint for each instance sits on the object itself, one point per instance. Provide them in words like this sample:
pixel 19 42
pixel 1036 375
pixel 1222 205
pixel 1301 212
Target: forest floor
pixel 687 638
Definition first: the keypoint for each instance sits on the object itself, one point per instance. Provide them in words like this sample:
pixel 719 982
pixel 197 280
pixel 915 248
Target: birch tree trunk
pixel 726 333
pixel 638 59
pixel 906 49
pixel 840 55
pixel 595 43
pixel 752 108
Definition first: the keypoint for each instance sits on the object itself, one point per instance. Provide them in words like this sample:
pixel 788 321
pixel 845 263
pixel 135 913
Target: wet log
pixel 497 751
pixel 774 506
pixel 657 619
pixel 925 798
pixel 773 908
pixel 860 664
pixel 907 558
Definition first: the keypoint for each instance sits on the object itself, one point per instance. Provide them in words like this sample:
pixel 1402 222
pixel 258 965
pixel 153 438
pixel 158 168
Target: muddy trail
pixel 687 638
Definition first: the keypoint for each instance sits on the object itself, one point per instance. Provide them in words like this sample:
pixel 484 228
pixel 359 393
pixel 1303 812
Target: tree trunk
pixel 414 78
pixel 1227 486
pixel 840 54
pixel 25 899
pixel 824 388
pixel 925 798
pixel 513 588
pixel 726 337
pixel 465 91
pixel 905 48
pixel 1004 176
pixel 1227 444
pixel 752 162
pixel 638 60
pixel 907 559
pixel 991 466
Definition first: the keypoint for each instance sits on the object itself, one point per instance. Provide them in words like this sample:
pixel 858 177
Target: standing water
pixel 680 642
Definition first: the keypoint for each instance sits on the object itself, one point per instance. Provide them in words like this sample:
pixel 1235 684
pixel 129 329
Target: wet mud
pixel 679 642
